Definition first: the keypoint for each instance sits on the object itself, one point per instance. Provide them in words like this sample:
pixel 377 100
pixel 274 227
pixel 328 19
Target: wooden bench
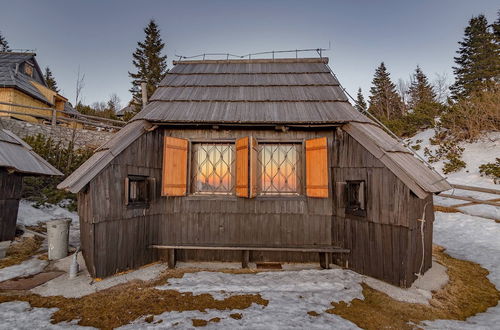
pixel 323 250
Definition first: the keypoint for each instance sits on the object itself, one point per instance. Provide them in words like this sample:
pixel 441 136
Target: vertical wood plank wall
pixel 10 194
pixel 385 244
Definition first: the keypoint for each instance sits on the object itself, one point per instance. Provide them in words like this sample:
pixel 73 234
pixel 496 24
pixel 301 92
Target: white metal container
pixel 4 246
pixel 58 236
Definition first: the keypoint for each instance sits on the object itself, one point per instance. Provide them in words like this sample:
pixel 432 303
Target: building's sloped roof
pixel 123 111
pixel 281 91
pixel 412 171
pixel 68 108
pixel 104 155
pixel 19 80
pixel 18 156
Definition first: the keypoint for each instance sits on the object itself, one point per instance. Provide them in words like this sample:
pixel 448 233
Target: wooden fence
pixel 51 115
pixel 470 200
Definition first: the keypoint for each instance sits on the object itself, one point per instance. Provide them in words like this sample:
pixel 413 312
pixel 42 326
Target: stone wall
pixel 82 137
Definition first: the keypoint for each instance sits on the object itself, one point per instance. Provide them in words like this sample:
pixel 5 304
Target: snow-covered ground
pixel 19 315
pixel 293 293
pixel 485 150
pixel 29 267
pixel 474 239
pixel 29 215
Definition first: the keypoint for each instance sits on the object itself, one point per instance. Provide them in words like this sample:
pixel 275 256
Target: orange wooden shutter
pixel 242 168
pixel 253 166
pixel 174 178
pixel 317 167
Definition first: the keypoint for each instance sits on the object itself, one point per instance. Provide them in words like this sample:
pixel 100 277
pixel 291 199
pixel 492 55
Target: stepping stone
pixel 29 282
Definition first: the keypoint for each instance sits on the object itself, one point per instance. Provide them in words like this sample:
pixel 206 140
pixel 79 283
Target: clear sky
pixel 100 36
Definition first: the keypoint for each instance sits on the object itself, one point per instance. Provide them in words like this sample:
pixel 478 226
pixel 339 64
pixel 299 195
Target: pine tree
pixel 50 80
pixel 150 64
pixel 420 90
pixel 4 45
pixel 478 64
pixel 496 28
pixel 385 102
pixel 361 105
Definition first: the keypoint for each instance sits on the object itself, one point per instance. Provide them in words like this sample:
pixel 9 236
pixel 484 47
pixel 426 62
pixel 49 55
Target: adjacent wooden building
pixel 24 94
pixel 16 161
pixel 255 160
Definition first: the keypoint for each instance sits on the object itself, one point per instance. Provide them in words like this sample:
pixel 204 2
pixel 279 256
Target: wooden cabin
pixel 253 161
pixel 17 160
pixel 26 93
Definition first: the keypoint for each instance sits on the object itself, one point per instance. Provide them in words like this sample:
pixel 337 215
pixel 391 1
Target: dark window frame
pixel 145 191
pixel 356 203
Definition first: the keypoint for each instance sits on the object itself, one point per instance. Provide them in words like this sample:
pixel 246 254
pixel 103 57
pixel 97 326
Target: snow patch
pixel 484 150
pixel 19 315
pixel 29 215
pixel 291 295
pixel 28 267
pixel 474 239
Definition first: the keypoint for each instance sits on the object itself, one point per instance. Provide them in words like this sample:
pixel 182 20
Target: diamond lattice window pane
pixel 213 168
pixel 278 168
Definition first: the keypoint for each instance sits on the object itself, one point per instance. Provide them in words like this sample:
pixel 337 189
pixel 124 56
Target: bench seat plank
pixel 332 249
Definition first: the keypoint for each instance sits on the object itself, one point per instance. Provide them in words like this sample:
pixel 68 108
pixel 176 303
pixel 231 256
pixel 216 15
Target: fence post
pixel 54 115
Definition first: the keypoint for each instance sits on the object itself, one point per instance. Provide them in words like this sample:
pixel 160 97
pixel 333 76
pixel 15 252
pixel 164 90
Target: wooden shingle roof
pixel 281 91
pixel 17 156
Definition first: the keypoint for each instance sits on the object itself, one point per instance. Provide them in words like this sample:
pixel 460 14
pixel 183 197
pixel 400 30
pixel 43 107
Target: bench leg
pixel 245 258
pixel 324 260
pixel 171 258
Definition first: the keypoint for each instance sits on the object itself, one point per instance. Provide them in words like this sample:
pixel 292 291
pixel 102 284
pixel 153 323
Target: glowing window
pixel 213 168
pixel 279 165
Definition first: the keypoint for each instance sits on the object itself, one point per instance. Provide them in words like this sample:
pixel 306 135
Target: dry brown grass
pixel 202 323
pixel 446 209
pixel 467 293
pixel 125 303
pixel 22 250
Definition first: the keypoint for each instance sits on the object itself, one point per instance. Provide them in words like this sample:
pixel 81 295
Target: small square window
pixel 356 201
pixel 28 69
pixel 137 190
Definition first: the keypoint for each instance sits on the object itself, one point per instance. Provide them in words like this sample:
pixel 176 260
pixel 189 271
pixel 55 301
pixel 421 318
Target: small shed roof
pixel 403 163
pixel 17 155
pixel 104 155
pixel 261 91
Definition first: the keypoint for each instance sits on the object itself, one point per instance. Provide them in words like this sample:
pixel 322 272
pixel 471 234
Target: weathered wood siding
pixel 385 244
pixel 115 237
pixel 10 194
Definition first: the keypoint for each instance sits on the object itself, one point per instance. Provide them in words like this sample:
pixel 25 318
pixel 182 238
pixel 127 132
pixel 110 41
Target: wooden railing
pixel 88 120
pixel 470 200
